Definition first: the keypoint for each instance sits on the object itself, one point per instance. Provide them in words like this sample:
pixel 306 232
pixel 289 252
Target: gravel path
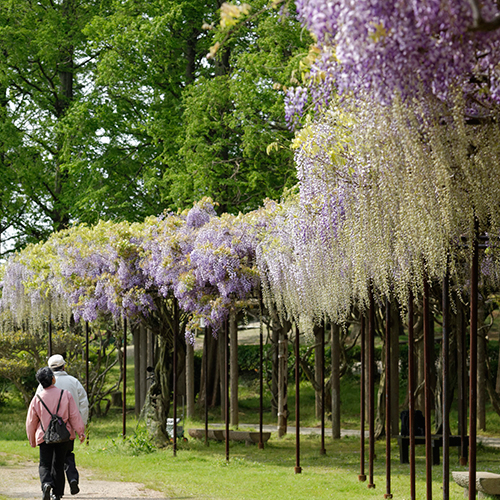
pixel 22 481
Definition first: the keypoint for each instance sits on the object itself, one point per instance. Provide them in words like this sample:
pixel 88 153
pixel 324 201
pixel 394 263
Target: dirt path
pixel 22 481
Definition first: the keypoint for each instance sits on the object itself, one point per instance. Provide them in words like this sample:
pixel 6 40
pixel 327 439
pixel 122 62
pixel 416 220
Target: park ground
pixel 128 468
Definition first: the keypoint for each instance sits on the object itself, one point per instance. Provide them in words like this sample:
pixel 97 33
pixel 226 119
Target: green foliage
pixel 138 444
pixel 111 110
pixel 230 117
pixel 40 78
pixel 22 353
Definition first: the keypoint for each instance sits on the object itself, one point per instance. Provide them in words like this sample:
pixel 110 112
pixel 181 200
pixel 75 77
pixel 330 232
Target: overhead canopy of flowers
pixel 203 261
pixel 401 156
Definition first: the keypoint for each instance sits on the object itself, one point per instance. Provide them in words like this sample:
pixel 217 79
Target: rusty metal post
pixel 411 393
pixel 261 380
pixel 371 388
pixel 205 357
pixel 298 468
pixel 87 357
pixel 50 332
pixel 446 367
pixel 388 493
pixel 427 390
pixel 322 450
pixel 174 377
pixel 362 475
pixel 87 388
pixel 226 377
pixel 473 365
pixel 124 402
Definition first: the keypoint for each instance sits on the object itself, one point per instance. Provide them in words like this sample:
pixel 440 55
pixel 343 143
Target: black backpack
pixel 56 432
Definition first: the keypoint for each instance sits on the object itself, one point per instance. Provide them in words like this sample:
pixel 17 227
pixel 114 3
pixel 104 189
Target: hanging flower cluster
pixel 397 172
pixel 388 48
pixel 204 261
pixel 387 195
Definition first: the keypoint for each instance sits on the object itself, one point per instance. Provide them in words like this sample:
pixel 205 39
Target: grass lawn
pixel 202 472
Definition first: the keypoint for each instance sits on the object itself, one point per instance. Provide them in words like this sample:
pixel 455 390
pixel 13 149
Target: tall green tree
pixel 111 109
pixel 42 73
pixel 235 145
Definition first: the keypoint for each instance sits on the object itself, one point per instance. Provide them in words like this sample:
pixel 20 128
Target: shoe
pixel 73 486
pixel 54 497
pixel 46 491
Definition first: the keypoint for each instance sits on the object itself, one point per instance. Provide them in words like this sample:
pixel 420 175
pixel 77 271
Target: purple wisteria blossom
pixel 100 273
pixel 222 270
pixel 410 48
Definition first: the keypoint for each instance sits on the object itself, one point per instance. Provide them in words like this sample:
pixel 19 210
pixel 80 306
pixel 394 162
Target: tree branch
pixel 479 23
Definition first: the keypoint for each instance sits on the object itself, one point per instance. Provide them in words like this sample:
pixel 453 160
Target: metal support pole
pixel 388 493
pixel 124 402
pixel 473 366
pixel 362 475
pixel 205 354
pixel 371 388
pixel 298 468
pixel 446 367
pixel 174 376
pixel 261 381
pixel 322 450
pixel 427 391
pixel 50 331
pixel 87 388
pixel 411 393
pixel 226 377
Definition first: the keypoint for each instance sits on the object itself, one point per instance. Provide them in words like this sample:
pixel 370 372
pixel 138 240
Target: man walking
pixel 71 384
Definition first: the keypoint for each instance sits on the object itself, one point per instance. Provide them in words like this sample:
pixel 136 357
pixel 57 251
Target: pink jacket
pixel 67 410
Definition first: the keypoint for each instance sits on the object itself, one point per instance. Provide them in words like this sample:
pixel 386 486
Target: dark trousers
pixel 51 466
pixel 69 465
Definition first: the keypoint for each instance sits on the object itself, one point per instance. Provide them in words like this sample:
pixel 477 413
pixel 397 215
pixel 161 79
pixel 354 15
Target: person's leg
pixel 70 468
pixel 58 468
pixel 45 465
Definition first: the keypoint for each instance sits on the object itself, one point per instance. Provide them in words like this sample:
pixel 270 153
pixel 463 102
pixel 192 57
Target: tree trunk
pixel 221 339
pixel 481 370
pixel 395 329
pixel 209 388
pixel 158 398
pixel 233 335
pixel 282 383
pixel 318 367
pixel 497 385
pixel 462 372
pixel 419 365
pixel 453 372
pixel 335 339
pixel 380 403
pixel 189 380
pixel 275 370
pixel 140 362
pixel 275 336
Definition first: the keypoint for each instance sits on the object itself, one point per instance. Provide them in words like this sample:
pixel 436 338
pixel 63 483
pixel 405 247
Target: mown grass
pixel 202 472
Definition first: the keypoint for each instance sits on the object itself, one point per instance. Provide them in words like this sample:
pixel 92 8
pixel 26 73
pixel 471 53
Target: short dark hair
pixel 44 376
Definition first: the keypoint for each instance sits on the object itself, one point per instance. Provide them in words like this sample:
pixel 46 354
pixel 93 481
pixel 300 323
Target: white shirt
pixel 75 388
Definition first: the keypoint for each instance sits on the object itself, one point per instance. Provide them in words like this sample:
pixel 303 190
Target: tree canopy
pixel 112 110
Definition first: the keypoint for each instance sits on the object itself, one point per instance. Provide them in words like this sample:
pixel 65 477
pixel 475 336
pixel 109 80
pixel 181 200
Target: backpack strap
pixel 51 414
pixel 59 402
pixel 41 400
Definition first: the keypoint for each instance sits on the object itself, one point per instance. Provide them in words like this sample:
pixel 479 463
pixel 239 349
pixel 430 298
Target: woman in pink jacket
pixel 52 456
